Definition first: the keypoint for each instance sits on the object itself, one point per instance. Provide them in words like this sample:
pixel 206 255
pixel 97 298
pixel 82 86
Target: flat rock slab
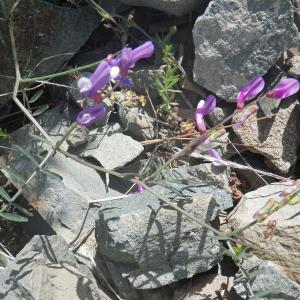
pixel 146 245
pixel 269 279
pixel 46 269
pixel 111 148
pixel 275 138
pixel 285 240
pixel 239 39
pixel 173 7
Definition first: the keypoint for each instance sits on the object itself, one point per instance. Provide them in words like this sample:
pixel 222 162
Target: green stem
pixel 33 79
pixel 70 129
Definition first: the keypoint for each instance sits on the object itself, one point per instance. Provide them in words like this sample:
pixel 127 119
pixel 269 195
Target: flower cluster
pixel 204 108
pixel 285 88
pixel 289 196
pixel 111 68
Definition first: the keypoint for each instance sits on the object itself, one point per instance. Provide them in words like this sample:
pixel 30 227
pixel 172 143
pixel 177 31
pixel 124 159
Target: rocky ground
pixel 72 223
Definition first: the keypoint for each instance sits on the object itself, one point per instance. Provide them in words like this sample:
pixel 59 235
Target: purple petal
pixel 99 79
pixel 139 188
pixel 91 115
pixel 126 60
pixel 215 154
pixel 285 88
pixel 208 106
pixel 144 51
pixel 250 90
pixel 200 122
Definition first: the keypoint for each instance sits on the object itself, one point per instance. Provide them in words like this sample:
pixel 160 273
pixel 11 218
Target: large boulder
pixel 46 37
pixel 237 39
pixel 275 138
pixel 269 282
pixel 46 269
pixel 285 238
pixel 145 245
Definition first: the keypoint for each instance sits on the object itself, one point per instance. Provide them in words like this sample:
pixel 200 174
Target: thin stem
pixel 69 131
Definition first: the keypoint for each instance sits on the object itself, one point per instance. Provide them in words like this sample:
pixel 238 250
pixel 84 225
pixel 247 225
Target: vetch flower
pixel 139 187
pixel 203 109
pixel 91 87
pixel 250 90
pixel 127 60
pixel 215 154
pixel 91 114
pixel 285 88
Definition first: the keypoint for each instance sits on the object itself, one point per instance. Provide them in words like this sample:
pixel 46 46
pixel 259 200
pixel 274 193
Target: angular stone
pixel 285 240
pixel 269 279
pixel 295 69
pixel 112 150
pixel 46 37
pixel 275 138
pixel 145 245
pixel 172 7
pixel 46 269
pixel 237 40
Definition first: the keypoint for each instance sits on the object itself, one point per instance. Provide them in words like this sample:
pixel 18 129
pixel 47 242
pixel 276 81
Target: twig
pixel 109 198
pixel 18 76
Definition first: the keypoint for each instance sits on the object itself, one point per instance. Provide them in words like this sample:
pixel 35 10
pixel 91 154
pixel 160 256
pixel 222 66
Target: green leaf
pixel 52 174
pixel 27 154
pixel 13 217
pixel 40 110
pixel 4 194
pixel 13 173
pixel 3 133
pixel 36 96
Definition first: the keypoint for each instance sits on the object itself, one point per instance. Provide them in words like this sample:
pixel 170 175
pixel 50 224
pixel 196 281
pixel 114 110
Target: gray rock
pixel 295 69
pixel 219 114
pixel 46 269
pixel 237 40
pixel 78 137
pixel 172 7
pixel 285 240
pixel 145 245
pixel 270 280
pixel 268 106
pixel 275 138
pixel 110 147
pixel 137 121
pixel 145 79
pixel 46 37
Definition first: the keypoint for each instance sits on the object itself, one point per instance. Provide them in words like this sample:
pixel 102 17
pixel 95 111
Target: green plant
pixel 167 80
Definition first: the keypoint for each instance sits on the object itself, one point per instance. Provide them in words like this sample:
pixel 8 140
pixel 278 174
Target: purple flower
pixel 285 88
pixel 91 115
pixel 128 58
pixel 250 90
pixel 139 188
pixel 91 87
pixel 215 154
pixel 203 109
